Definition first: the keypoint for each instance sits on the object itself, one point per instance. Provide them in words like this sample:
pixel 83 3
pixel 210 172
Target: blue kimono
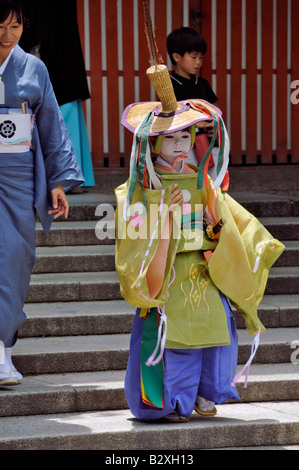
pixel 26 180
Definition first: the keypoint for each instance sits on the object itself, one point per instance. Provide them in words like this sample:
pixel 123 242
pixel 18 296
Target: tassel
pixel 161 337
pixel 138 161
pixel 254 347
pixel 160 341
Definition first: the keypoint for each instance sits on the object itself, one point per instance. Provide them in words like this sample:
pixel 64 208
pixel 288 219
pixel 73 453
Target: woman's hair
pixel 9 7
pixel 184 40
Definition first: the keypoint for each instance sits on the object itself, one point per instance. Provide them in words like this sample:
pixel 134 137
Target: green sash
pixel 151 376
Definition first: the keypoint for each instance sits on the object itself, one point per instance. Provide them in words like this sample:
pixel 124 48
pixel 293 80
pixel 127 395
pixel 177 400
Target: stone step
pixel 282 228
pixel 59 259
pixel 63 259
pixel 64 393
pixel 72 234
pixel 90 206
pixel 49 355
pixel 75 318
pixel 104 390
pixel 277 311
pixel 235 425
pixel 283 280
pixel 290 256
pixel 116 316
pixel 102 257
pixel 57 287
pixel 89 233
pixel 267 205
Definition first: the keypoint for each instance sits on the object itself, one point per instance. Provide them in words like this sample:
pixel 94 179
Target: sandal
pixel 205 407
pixel 175 417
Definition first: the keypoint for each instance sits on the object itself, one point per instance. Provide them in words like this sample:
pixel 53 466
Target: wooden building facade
pixel 252 64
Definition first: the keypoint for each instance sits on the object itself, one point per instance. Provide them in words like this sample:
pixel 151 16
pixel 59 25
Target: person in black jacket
pixel 186 49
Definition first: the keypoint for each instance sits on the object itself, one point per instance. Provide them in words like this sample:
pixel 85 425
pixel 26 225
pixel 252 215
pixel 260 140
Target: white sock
pixel 13 370
pixel 5 368
pixel 204 404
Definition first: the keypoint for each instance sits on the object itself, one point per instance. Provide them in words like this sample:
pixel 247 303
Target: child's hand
pixel 59 202
pixel 176 197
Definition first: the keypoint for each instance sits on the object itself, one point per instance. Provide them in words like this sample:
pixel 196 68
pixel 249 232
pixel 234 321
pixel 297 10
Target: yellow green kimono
pixel 238 266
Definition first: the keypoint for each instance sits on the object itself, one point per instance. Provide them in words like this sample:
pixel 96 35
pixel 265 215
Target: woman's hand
pixel 59 202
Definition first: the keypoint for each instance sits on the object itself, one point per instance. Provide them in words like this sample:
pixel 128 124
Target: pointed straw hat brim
pixel 163 123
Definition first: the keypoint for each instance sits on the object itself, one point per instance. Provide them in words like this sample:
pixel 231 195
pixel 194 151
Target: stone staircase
pixel 74 347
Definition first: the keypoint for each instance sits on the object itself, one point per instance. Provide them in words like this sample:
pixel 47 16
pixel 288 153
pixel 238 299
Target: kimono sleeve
pixel 61 164
pixel 137 240
pixel 240 264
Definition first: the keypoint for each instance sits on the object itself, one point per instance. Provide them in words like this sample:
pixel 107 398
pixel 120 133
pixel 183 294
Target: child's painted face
pixel 175 144
pixel 188 64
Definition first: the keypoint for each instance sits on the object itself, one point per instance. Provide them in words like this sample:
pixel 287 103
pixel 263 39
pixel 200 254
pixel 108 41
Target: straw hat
pixel 168 115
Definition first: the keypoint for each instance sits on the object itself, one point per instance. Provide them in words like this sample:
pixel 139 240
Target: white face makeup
pixel 175 144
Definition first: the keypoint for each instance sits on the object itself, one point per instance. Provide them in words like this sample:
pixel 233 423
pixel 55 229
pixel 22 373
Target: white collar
pixel 167 165
pixel 3 66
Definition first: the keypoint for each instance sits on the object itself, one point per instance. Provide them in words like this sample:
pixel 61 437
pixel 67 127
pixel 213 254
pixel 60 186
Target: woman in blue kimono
pixel 37 167
pixel 53 36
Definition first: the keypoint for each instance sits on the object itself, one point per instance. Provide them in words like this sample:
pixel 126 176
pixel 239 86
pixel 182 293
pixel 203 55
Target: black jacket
pixel 53 24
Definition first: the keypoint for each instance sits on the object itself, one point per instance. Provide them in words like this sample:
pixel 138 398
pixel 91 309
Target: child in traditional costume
pixel 177 271
pixel 184 251
pixel 38 166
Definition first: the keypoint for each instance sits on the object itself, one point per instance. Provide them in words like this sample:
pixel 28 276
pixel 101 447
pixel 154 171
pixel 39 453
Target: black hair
pixel 184 40
pixel 9 7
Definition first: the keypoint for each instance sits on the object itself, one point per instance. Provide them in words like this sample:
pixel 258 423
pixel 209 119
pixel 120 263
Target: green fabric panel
pixel 152 376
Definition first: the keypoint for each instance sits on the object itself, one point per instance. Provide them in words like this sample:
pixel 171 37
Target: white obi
pixel 15 131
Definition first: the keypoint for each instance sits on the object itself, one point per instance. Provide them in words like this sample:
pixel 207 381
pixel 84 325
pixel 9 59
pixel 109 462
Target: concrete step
pixel 61 354
pixel 64 393
pixel 73 234
pixel 102 257
pixel 89 233
pixel 55 259
pixel 110 352
pixel 267 205
pixel 282 228
pixel 57 287
pixel 235 425
pixel 116 316
pixel 277 311
pixel 73 318
pixel 283 280
pixel 60 259
pixel 85 206
pixel 104 390
pixel 290 256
